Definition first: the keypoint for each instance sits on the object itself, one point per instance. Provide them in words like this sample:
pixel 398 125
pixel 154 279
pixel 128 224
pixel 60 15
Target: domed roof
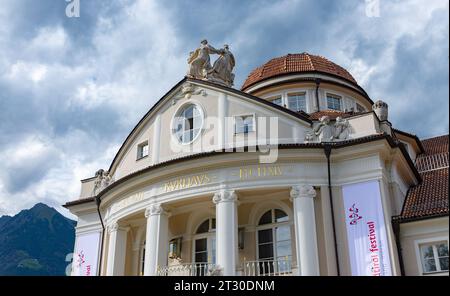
pixel 296 63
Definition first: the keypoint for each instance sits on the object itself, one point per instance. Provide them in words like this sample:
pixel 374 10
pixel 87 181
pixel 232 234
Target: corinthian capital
pixel 155 209
pixel 224 195
pixel 302 191
pixel 113 227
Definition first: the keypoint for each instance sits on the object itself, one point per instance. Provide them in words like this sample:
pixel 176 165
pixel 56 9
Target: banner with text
pixel 366 231
pixel 86 256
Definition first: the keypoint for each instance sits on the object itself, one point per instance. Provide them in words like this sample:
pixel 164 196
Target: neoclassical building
pixel 299 172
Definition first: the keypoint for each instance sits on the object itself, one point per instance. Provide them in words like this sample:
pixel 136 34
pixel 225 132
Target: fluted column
pixel 226 231
pixel 117 249
pixel 157 241
pixel 302 197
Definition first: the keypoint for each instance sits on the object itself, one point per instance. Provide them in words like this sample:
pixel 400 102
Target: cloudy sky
pixel 71 89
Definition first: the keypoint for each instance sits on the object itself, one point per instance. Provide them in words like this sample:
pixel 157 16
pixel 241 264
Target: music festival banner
pixel 86 256
pixel 366 230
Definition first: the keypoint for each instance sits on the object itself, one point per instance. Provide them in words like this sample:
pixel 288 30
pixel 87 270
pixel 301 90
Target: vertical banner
pixel 366 230
pixel 86 256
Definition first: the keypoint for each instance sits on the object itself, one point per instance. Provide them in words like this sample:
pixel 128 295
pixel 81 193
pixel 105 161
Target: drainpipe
pixel 396 229
pixel 98 201
pixel 327 150
pixel 318 80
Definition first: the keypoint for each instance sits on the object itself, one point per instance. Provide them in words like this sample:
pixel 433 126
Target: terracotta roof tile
pixel 436 145
pixel 430 198
pixel 296 63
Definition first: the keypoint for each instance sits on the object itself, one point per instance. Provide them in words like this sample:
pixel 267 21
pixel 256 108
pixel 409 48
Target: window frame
pixel 419 259
pixel 297 93
pixel 178 113
pixel 273 225
pixel 335 96
pixel 140 150
pixel 209 236
pixel 276 97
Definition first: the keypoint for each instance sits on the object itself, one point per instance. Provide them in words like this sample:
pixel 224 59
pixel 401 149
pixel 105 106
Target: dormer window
pixel 244 124
pixel 142 150
pixel 334 102
pixel 297 102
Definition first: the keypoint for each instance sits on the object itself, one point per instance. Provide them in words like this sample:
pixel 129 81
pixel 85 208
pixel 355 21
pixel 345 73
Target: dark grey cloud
pixel 72 88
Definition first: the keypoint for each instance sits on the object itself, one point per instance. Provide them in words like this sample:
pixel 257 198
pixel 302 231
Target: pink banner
pixel 86 256
pixel 366 230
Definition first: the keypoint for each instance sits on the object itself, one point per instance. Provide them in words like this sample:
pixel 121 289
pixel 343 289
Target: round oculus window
pixel 188 123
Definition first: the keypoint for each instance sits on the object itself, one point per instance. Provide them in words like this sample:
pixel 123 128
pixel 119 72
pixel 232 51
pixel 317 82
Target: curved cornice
pixel 336 145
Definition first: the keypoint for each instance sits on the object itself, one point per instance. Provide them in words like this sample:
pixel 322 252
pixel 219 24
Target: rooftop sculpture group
pixel 220 72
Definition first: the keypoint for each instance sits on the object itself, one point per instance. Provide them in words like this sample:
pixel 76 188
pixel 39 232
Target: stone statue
pixel 341 129
pixel 222 69
pixel 322 132
pixel 199 61
pixel 200 64
pixel 102 180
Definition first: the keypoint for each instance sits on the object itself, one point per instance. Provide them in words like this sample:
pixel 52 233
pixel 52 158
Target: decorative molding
pixel 225 196
pixel 114 226
pixel 155 209
pixel 187 91
pixel 299 191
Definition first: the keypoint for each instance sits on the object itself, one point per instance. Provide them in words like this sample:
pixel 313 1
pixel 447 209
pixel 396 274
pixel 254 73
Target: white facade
pixel 267 211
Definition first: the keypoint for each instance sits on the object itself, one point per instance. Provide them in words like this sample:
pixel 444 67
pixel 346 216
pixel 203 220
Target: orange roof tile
pixel 296 63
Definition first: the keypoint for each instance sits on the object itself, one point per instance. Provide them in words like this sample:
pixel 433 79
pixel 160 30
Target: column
pixel 305 229
pixel 226 231
pixel 117 249
pixel 157 241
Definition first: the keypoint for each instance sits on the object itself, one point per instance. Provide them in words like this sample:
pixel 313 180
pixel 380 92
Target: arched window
pixel 274 241
pixel 205 242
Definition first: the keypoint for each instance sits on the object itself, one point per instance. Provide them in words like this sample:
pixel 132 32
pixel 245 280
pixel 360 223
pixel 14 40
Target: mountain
pixel 35 242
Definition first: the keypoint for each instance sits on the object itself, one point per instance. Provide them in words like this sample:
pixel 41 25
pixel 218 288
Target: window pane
pixel 213 249
pixel 427 251
pixel 266 218
pixel 297 102
pixel 333 103
pixel 265 251
pixel 442 250
pixel 201 257
pixel 283 233
pixel 201 245
pixel 444 263
pixel 277 101
pixel 281 216
pixel 213 223
pixel 429 265
pixel 265 236
pixel 204 227
pixel 284 249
